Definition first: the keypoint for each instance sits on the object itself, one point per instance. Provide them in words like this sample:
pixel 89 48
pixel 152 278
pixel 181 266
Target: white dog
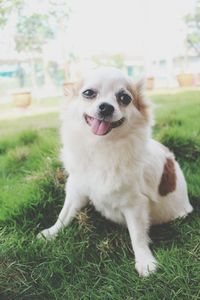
pixel 112 160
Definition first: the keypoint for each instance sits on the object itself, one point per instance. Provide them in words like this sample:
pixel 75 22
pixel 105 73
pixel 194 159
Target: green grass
pixel 11 127
pixel 44 102
pixel 92 258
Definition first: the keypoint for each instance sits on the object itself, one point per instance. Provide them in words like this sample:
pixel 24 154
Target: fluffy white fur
pixel 118 172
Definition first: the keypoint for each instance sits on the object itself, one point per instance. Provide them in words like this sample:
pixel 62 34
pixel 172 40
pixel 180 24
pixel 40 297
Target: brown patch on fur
pixel 168 180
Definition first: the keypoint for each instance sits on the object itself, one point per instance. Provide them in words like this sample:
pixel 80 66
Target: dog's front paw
pixel 46 234
pixel 146 266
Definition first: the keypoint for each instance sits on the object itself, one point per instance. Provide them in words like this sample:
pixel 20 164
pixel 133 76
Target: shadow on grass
pixel 103 234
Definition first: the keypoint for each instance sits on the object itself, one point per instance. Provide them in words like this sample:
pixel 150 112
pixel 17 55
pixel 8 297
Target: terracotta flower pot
pixel 150 83
pixel 22 99
pixel 185 80
pixel 197 79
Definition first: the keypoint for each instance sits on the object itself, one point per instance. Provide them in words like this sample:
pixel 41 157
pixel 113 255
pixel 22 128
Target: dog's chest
pixel 107 174
pixel 111 205
pixel 112 190
pixel 111 174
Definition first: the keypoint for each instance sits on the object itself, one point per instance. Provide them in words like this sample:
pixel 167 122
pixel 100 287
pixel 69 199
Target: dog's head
pixel 107 102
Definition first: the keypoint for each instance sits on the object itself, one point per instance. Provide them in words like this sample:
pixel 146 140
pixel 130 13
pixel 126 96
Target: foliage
pixel 116 60
pixel 60 10
pixel 32 32
pixel 193 23
pixel 7 7
pixel 34 27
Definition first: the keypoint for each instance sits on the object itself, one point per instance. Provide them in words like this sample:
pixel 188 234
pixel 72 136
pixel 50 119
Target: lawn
pixel 92 258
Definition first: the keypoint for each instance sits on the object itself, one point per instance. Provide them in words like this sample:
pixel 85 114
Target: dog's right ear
pixel 71 88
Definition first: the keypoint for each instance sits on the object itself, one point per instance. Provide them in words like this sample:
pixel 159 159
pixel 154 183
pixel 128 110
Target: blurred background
pixel 44 44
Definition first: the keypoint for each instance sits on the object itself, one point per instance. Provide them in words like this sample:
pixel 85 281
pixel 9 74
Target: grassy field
pixel 92 258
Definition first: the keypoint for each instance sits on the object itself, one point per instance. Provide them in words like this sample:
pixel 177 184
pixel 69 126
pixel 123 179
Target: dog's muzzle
pixel 100 126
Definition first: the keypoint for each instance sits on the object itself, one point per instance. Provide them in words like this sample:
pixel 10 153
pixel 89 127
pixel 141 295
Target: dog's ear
pixel 139 99
pixel 141 86
pixel 71 88
pixel 138 90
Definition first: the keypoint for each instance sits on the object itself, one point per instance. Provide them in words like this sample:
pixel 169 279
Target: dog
pixel 113 162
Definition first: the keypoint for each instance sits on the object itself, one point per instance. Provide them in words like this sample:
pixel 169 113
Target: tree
pixel 32 33
pixel 35 27
pixel 193 23
pixel 115 60
pixel 7 7
pixel 59 12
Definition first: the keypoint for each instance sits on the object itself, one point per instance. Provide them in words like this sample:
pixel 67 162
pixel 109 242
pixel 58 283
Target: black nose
pixel 106 110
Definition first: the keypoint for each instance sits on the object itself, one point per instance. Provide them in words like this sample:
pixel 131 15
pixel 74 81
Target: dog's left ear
pixel 139 99
pixel 71 88
pixel 138 91
pixel 141 87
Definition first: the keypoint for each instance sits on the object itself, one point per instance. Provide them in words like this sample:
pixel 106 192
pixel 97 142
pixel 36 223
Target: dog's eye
pixel 89 93
pixel 124 98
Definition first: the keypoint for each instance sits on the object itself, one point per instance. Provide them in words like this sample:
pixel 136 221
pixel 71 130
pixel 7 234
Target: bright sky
pixel 148 28
pixel 145 27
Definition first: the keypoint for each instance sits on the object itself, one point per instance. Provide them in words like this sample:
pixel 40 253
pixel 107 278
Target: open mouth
pixel 101 127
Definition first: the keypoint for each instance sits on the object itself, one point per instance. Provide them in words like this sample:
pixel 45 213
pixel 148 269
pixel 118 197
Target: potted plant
pixel 185 79
pixel 22 98
pixel 150 82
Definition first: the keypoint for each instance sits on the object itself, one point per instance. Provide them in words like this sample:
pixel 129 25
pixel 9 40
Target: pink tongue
pixel 100 127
